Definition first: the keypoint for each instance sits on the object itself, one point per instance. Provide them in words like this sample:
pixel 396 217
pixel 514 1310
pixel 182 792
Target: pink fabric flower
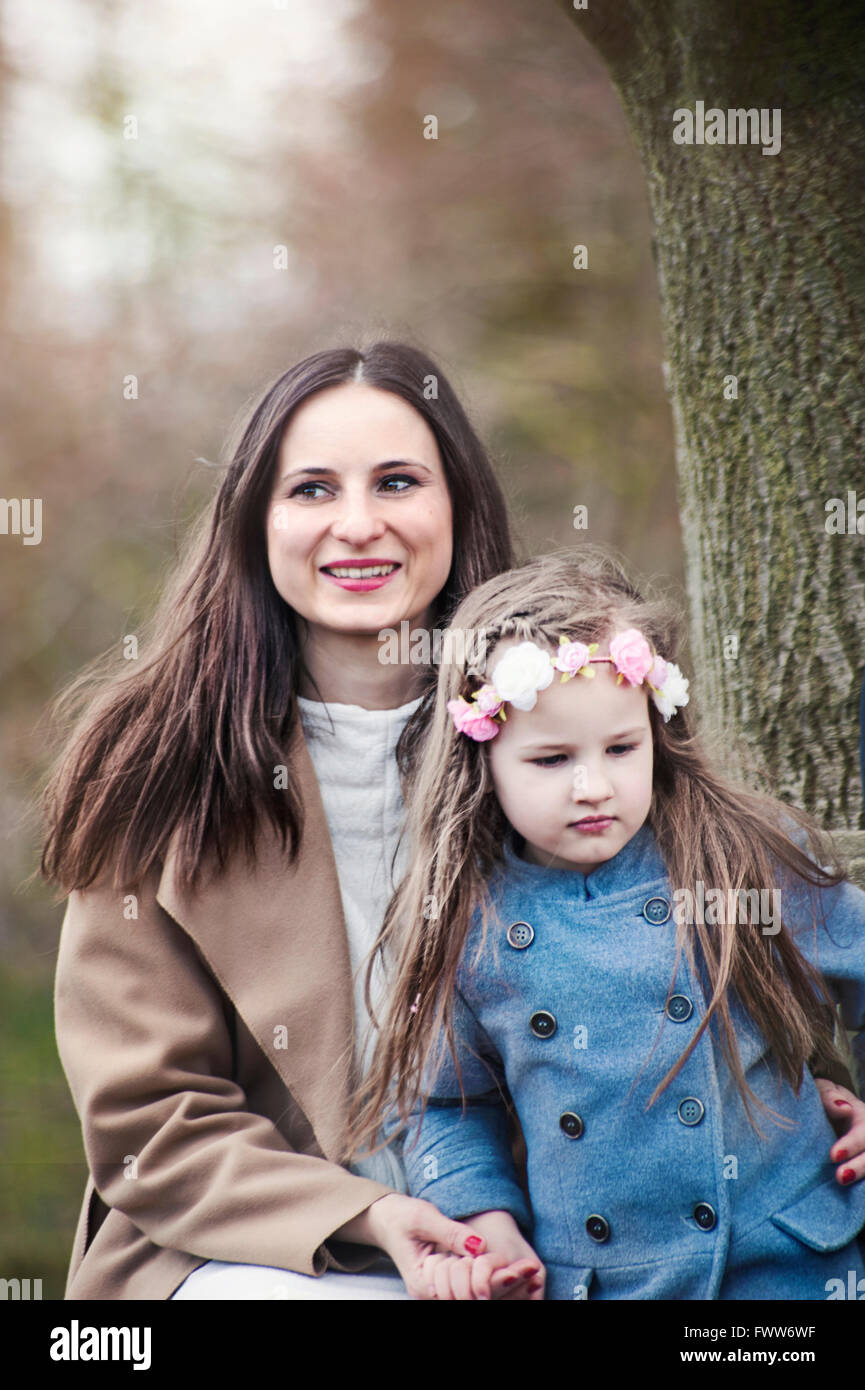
pixel 632 656
pixel 571 657
pixel 469 719
pixel 488 699
pixel 658 674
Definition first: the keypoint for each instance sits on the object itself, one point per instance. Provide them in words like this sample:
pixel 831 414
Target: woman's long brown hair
pixel 186 737
pixel 707 829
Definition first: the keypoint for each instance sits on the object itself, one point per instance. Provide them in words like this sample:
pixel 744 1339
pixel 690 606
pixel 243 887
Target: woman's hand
pixel 412 1231
pixel 847 1113
pixel 509 1271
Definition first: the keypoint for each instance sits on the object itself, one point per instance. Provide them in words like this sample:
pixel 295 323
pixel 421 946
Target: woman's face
pixel 359 486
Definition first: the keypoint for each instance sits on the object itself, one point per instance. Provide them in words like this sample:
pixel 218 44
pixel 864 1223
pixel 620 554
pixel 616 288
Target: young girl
pixel 601 932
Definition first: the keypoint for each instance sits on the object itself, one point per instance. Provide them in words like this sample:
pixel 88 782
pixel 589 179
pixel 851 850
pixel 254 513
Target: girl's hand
pixel 411 1231
pixel 847 1113
pixel 509 1271
pixel 482 1278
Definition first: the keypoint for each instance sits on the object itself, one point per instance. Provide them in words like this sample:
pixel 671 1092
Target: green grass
pixel 42 1164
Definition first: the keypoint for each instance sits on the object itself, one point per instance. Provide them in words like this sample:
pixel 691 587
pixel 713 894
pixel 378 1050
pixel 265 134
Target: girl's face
pixel 359 484
pixel 574 775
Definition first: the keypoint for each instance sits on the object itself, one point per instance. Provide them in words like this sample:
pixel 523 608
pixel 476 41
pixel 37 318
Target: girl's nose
pixel 590 784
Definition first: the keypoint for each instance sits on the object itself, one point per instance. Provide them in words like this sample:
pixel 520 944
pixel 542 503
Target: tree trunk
pixel 761 267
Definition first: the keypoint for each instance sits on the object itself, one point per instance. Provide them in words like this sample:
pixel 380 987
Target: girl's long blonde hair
pixel 706 827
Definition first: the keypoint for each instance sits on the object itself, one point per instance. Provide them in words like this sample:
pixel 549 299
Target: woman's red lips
pixel 357 575
pixel 355 562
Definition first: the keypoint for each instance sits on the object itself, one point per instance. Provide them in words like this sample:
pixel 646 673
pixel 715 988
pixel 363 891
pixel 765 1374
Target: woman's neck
pixel 344 669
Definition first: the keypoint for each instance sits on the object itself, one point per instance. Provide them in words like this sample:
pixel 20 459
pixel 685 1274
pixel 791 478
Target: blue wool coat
pixel 567 1005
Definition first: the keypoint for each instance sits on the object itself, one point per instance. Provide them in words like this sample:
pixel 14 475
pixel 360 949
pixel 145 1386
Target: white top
pixel 354 754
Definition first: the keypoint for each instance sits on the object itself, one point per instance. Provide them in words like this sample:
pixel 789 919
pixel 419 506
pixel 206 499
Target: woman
pixel 223 821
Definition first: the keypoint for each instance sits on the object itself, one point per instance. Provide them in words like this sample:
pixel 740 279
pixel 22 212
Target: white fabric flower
pixel 673 693
pixel 521 673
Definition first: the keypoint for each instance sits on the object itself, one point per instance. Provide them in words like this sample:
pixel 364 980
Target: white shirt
pixel 354 754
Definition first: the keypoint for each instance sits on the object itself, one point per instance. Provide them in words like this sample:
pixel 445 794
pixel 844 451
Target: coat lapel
pixel 275 937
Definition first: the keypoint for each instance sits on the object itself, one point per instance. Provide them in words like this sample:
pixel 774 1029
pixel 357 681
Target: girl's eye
pixel 617 749
pixel 551 760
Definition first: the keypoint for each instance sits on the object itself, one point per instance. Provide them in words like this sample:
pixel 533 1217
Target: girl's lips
pixel 361 586
pixel 592 825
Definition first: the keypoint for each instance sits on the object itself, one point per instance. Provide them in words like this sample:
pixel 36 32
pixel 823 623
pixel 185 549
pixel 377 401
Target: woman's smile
pixel 358 576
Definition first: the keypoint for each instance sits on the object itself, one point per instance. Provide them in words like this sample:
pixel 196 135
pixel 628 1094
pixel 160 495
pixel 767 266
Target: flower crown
pixel 527 669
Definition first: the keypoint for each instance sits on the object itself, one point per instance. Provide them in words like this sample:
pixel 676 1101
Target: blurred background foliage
pixel 280 123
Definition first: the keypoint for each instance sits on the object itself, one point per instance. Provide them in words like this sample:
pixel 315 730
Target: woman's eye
pixel 303 489
pixel 400 478
pixel 551 760
pixel 314 490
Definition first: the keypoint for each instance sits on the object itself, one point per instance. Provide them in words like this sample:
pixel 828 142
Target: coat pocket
pixel 826 1218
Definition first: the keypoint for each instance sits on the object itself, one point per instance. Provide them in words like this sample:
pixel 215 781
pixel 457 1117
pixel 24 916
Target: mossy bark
pixel 761 268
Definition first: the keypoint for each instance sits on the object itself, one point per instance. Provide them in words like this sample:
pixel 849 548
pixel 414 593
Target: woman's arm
pixel 837 948
pixel 144 1043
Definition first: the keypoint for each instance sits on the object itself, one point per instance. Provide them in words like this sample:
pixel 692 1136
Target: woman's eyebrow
pixel 379 467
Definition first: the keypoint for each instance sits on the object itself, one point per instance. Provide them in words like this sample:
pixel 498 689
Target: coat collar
pixel 638 862
pixel 274 936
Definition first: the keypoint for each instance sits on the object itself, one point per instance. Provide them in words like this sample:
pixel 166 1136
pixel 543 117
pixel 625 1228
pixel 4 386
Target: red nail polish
pixel 847 1175
pixel 843 1102
pixel 473 1244
pixel 841 1155
pixel 511 1279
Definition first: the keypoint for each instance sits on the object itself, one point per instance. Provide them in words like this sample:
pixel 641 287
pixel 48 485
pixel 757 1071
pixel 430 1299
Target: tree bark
pixel 761 269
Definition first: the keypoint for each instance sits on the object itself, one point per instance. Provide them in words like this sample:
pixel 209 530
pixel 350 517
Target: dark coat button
pixel 571 1124
pixel 520 935
pixel 691 1110
pixel 598 1228
pixel 543 1024
pixel 679 1008
pixel 705 1216
pixel 656 910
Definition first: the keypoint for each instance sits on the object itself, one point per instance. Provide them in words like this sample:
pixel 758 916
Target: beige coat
pixel 208 1044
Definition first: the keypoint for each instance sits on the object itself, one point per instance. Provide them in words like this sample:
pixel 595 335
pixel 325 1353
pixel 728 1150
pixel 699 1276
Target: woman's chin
pixel 373 619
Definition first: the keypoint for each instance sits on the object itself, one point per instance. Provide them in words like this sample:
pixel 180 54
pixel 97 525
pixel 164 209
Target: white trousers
pixel 219 1280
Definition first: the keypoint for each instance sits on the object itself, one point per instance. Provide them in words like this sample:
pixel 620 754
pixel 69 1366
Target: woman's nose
pixel 359 520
